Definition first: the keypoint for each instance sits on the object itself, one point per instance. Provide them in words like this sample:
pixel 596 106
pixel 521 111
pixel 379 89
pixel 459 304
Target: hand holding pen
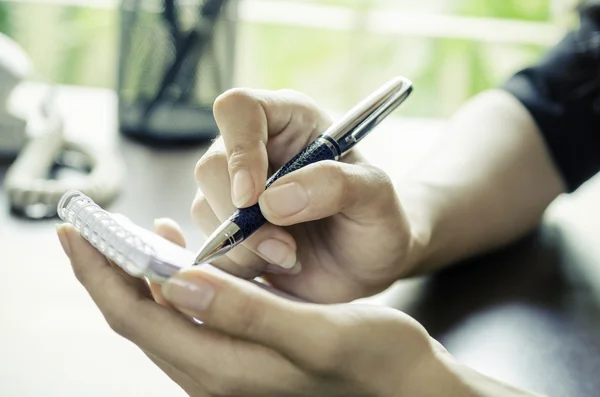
pixel 331 230
pixel 352 235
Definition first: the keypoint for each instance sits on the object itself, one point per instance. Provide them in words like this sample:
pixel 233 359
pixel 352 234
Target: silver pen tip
pixel 223 240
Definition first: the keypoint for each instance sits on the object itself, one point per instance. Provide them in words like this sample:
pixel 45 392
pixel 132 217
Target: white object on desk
pixel 36 136
pixel 15 66
pixel 32 193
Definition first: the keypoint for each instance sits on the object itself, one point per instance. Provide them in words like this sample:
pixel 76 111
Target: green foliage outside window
pixel 73 45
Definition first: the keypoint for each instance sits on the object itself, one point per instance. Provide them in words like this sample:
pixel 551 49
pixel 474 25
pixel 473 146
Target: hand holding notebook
pixel 137 251
pixel 253 343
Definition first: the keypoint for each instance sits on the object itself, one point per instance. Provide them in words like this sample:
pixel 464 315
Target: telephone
pixel 15 66
pixel 38 146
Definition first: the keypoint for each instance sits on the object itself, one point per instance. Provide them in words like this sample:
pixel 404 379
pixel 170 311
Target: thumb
pixel 170 230
pixel 243 310
pixel 362 192
pixel 252 120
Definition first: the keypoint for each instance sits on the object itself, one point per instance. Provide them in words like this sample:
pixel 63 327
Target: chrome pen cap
pixel 366 115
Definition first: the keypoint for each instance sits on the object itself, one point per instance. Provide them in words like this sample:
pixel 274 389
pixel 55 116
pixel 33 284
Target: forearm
pixel 487 184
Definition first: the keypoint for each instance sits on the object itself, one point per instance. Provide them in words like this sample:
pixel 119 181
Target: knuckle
pixel 199 205
pixel 242 151
pixel 81 274
pixel 333 171
pixel 209 163
pixel 378 175
pixel 118 322
pixel 232 99
pixel 337 178
pixel 200 210
pixel 310 111
pixel 291 92
pixel 382 182
pixel 299 98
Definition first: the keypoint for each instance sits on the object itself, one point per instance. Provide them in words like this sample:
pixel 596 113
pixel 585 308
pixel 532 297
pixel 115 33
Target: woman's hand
pixel 337 230
pixel 253 343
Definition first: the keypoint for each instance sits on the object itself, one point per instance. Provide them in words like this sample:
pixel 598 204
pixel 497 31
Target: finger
pixel 207 221
pixel 363 193
pixel 269 244
pixel 243 310
pixel 279 256
pixel 139 284
pixel 203 215
pixel 170 230
pixel 155 290
pixel 246 119
pixel 129 313
pixel 223 365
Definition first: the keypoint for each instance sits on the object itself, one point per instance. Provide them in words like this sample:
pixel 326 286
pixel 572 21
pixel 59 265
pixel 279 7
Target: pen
pixel 188 78
pixel 197 37
pixel 336 141
pixel 171 17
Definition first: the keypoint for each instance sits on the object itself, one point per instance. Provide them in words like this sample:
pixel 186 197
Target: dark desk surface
pixel 529 314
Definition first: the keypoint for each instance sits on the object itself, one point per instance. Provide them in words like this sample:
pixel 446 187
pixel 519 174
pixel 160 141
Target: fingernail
pixel 243 188
pixel 274 269
pixel 64 239
pixel 193 296
pixel 296 269
pixel 285 200
pixel 277 252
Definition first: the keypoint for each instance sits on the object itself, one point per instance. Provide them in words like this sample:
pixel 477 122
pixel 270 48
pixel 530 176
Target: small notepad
pixel 139 252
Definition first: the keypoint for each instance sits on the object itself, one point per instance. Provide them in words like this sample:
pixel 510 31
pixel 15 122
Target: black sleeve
pixel 562 93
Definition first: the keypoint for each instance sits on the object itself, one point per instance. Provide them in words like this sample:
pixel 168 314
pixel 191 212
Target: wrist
pixel 439 374
pixel 433 377
pixel 420 220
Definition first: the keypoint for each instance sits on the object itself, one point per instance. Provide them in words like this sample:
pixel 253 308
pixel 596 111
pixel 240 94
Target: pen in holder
pixel 176 57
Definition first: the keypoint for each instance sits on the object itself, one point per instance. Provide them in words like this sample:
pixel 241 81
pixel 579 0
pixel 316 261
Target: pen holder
pixel 176 57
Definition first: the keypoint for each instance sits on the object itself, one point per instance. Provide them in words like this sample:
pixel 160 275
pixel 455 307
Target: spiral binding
pixel 101 230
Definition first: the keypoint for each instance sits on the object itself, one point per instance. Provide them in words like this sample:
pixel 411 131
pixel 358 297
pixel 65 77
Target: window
pixel 335 50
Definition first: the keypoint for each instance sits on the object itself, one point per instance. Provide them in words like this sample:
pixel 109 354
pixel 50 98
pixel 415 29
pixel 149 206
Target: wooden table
pixel 529 314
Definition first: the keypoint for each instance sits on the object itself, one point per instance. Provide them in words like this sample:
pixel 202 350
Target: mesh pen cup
pixel 176 57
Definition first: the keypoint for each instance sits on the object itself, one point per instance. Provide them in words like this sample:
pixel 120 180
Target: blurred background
pixel 53 340
pixel 335 50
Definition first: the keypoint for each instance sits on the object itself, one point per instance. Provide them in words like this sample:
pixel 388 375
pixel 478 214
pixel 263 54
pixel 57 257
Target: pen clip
pixel 365 116
pixel 376 117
